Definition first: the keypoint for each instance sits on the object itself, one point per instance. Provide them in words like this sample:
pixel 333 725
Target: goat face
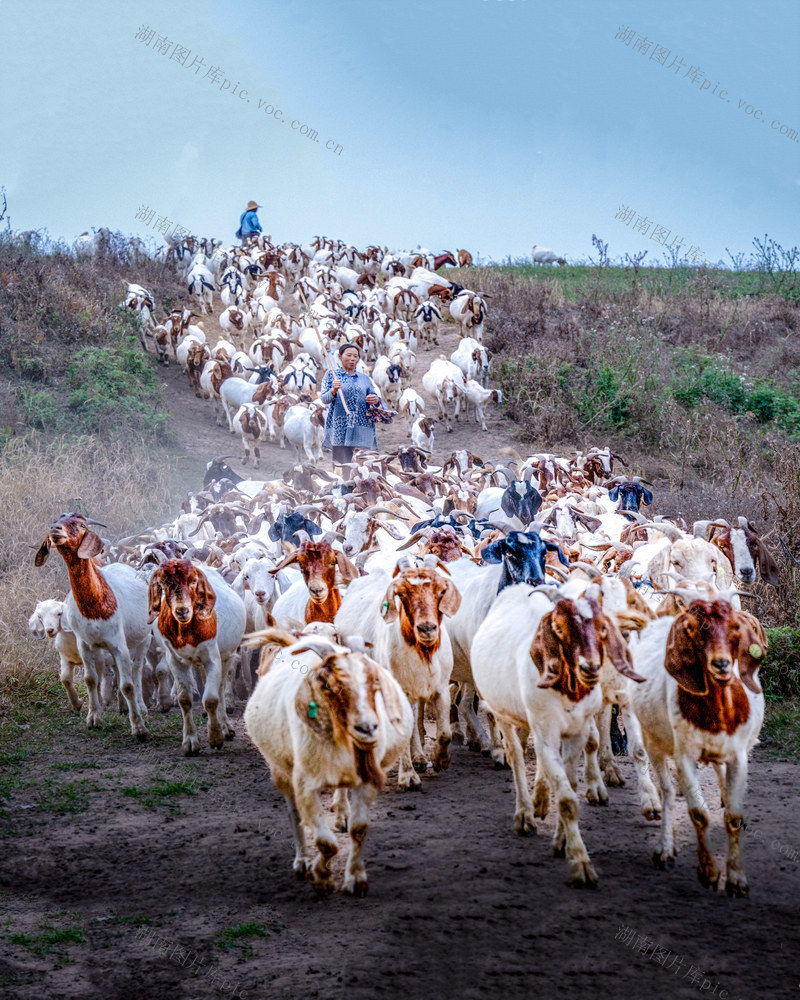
pixel 443 544
pixel 286 527
pixel 630 495
pixel 521 500
pixel 523 557
pixel 704 642
pixel 70 533
pixel 425 595
pixel 218 468
pixel 185 590
pixel 569 646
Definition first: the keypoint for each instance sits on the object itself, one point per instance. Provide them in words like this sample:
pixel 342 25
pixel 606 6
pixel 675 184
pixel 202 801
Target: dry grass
pixel 124 486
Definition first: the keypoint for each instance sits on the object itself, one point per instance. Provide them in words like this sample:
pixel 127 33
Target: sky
pixel 491 125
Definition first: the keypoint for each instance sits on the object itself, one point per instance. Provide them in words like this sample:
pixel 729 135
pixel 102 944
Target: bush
pixel 780 674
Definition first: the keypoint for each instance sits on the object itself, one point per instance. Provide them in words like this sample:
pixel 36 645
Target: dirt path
pixel 198 439
pixel 138 860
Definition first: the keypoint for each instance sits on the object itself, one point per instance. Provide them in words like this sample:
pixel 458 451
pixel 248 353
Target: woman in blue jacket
pixel 346 431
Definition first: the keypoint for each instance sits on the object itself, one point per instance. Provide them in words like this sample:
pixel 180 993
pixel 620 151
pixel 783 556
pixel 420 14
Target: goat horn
pixel 593 571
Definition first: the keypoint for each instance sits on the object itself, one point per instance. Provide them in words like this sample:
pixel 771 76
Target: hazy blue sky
pixel 487 124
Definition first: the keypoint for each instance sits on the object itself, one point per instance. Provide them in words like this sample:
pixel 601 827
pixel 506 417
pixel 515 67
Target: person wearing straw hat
pixel 248 223
pixel 345 431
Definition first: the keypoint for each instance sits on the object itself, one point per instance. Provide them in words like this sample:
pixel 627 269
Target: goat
pixel 541 255
pixel 695 708
pixel 422 434
pixel 48 619
pixel 412 641
pixel 315 597
pixel 250 424
pixel 411 406
pixel 445 381
pixel 106 609
pixel 742 547
pixel 477 396
pixel 469 310
pixel 473 360
pixel 201 621
pixel 322 717
pixel 537 666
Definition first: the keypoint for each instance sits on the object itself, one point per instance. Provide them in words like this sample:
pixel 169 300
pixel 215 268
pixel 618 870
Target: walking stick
pixel 321 344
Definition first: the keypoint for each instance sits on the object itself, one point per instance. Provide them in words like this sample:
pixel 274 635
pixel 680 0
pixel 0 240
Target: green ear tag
pixel 312 710
pixel 384 608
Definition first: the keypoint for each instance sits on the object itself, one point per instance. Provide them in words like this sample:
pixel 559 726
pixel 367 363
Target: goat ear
pixel 346 568
pixel 613 493
pixel 204 596
pixel 647 496
pixel 552 547
pixel 274 532
pixel 682 661
pixel 752 649
pixel 91 545
pixel 383 681
pixel 767 564
pixel 154 597
pixel 312 711
pixel 450 601
pixel 493 553
pixel 286 561
pixel 44 551
pixel 546 653
pixel 617 650
pixel 389 611
pixel 507 504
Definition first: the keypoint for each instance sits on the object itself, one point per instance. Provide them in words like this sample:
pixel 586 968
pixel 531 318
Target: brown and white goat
pixel 201 621
pixel 402 617
pixel 325 717
pixel 316 597
pixel 696 707
pixel 106 609
pixel 537 667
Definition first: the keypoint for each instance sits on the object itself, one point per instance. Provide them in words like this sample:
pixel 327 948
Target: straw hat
pixel 251 206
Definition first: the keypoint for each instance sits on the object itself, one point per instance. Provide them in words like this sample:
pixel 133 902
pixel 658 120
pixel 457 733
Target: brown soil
pixel 459 906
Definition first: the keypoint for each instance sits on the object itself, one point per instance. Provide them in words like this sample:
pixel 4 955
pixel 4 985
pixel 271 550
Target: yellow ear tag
pixel 756 651
pixel 312 710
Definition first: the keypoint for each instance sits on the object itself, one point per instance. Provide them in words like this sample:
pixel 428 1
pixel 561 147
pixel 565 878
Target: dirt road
pixel 123 862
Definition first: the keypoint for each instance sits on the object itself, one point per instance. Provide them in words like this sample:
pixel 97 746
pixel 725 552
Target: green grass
pixel 50 939
pixel 236 937
pixel 72 797
pixel 75 765
pixel 156 794
pixel 780 734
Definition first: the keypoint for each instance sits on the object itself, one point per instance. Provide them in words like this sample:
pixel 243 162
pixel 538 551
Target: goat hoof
pixel 651 814
pixel 474 746
pixel 486 753
pixel 357 889
pixel 458 740
pixel 736 889
pixel 500 765
pixel 662 862
pixel 141 737
pixel 524 825
pixel 707 881
pixel 420 766
pixel 300 868
pixel 582 875
pixel 559 851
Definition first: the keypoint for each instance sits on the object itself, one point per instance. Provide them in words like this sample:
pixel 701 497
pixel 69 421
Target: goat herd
pixel 287 307
pixel 496 601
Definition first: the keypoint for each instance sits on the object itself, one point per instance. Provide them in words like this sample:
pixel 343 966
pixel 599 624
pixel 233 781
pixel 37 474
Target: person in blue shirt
pixel 248 224
pixel 346 431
